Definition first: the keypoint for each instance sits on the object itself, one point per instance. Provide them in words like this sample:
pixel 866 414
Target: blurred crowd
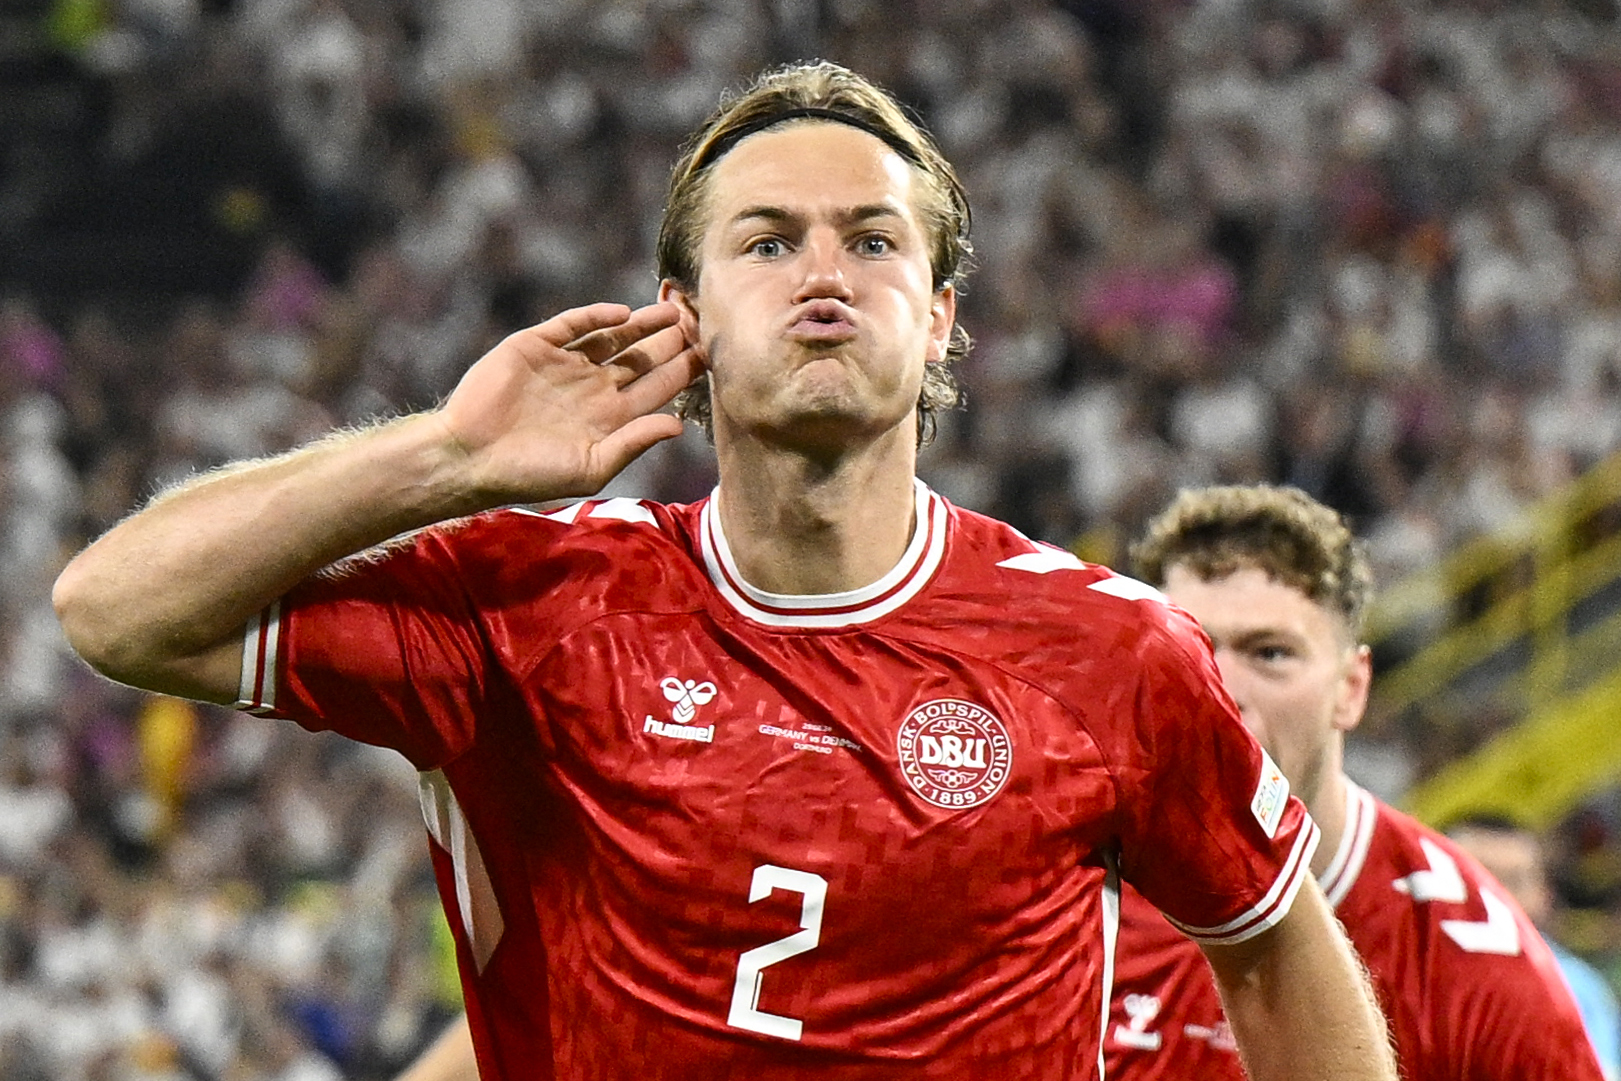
pixel 1366 247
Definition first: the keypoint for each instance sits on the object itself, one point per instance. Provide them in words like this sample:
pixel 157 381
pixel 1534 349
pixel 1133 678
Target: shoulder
pixel 502 557
pixel 618 520
pixel 1474 935
pixel 1046 586
pixel 519 533
pixel 1132 668
pixel 1415 848
pixel 1410 858
pixel 1467 977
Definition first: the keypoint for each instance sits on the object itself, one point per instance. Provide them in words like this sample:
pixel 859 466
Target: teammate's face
pixel 815 302
pixel 1286 661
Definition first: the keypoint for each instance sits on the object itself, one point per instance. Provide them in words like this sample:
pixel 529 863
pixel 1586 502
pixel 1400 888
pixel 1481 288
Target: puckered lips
pixel 822 322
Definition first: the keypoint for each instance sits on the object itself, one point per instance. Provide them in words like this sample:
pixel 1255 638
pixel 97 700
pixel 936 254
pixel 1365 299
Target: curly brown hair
pixel 1283 531
pixel 821 92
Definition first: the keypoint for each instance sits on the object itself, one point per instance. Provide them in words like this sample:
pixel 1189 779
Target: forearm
pixel 1300 1003
pixel 553 410
pixel 449 1058
pixel 148 601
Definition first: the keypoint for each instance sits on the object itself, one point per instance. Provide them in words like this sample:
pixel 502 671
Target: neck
pixel 1327 807
pixel 805 524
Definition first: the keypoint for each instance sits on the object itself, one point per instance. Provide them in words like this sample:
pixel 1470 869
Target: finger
pixel 623 445
pixel 572 325
pixel 636 361
pixel 659 386
pixel 603 342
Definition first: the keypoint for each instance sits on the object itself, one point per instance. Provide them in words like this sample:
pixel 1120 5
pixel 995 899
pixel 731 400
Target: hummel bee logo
pixel 1142 1009
pixel 687 695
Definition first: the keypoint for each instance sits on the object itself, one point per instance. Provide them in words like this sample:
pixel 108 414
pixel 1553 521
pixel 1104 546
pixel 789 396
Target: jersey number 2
pixel 751 967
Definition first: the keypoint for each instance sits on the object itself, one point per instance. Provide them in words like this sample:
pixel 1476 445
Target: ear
pixel 672 292
pixel 1355 683
pixel 942 318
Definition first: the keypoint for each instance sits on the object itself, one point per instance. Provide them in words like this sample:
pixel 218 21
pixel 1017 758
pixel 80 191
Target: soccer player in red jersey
pixel 1471 991
pixel 819 777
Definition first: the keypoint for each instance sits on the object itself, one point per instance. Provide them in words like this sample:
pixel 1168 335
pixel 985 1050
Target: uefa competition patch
pixel 1271 793
pixel 954 754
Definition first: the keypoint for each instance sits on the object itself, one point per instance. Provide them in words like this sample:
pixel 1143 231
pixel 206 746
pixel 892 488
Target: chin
pixel 820 426
pixel 821 393
pixel 838 426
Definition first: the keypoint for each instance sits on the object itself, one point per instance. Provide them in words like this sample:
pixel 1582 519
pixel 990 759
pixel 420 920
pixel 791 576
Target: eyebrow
pixel 855 215
pixel 1248 637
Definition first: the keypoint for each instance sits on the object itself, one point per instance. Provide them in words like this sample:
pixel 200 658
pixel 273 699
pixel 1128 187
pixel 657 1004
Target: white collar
pixel 1360 815
pixel 824 610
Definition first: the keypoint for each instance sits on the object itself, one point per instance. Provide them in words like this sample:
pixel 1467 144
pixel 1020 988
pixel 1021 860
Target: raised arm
pixel 552 411
pixel 1299 1000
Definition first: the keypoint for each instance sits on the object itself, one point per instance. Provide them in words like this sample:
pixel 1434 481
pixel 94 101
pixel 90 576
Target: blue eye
pixel 874 245
pixel 768 247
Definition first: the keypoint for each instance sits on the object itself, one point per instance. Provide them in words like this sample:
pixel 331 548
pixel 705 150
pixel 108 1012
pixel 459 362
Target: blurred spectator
pixel 1369 248
pixel 1513 854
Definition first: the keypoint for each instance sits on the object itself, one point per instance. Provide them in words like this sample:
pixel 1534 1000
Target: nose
pixel 823 263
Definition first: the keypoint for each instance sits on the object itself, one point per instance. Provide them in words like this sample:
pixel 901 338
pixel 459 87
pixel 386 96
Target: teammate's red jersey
pixel 687 829
pixel 1471 990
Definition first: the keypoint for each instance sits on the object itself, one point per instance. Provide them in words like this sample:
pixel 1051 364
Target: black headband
pixel 723 145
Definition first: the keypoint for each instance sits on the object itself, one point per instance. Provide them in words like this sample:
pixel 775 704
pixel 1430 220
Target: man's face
pixel 815 303
pixel 1299 684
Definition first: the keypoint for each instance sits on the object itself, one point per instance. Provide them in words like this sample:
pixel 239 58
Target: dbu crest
pixel 954 754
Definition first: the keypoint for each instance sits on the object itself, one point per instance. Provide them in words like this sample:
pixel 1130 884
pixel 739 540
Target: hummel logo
pixel 687 695
pixel 1142 1010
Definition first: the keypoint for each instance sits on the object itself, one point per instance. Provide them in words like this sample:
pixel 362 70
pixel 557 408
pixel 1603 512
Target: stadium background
pixel 1366 247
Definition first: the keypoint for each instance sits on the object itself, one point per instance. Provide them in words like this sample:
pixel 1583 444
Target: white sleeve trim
pixel 1274 906
pixel 1111 938
pixel 256 693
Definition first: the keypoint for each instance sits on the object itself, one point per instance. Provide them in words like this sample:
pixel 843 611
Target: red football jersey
pixel 1471 990
pixel 688 829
